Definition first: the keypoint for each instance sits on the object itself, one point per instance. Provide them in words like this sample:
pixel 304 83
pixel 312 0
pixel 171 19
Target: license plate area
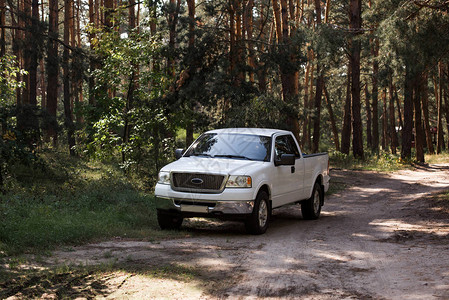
pixel 194 208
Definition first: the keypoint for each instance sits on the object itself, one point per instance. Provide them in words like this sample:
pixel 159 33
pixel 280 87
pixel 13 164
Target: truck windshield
pixel 233 146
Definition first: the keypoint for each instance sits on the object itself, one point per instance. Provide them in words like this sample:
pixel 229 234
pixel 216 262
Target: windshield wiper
pixel 232 156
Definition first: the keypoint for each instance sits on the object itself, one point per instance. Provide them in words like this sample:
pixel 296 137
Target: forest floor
pixel 385 236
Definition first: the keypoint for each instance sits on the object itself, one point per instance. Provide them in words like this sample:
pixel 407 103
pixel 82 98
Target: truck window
pixel 232 145
pixel 285 144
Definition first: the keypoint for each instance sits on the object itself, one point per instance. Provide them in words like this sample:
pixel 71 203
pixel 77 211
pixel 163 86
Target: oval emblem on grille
pixel 196 181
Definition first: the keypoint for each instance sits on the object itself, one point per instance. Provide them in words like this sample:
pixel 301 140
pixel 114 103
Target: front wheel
pixel 311 208
pixel 168 221
pixel 257 223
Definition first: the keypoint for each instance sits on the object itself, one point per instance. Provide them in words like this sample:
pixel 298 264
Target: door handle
pixel 293 169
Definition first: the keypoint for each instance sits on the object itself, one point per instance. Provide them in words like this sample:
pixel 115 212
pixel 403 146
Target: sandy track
pixel 377 239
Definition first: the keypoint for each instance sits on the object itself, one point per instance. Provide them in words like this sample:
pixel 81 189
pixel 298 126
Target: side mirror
pixel 179 153
pixel 286 160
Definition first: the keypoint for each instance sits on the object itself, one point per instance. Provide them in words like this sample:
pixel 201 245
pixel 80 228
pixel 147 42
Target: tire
pixel 311 208
pixel 257 222
pixel 168 221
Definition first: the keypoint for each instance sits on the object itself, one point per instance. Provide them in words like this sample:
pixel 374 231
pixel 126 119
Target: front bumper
pixel 205 207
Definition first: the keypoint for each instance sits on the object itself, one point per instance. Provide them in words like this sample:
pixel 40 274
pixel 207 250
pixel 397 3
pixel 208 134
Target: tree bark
pixel 369 137
pixel 446 101
pixel 52 69
pixel 175 6
pixel 406 150
pixel 346 130
pixel 319 88
pixel 357 135
pixel 2 30
pixel 375 96
pixel 398 105
pixel 385 140
pixel 68 121
pixel 332 118
pixel 191 12
pixel 425 110
pixel 289 74
pixel 439 110
pixel 392 124
pixel 419 134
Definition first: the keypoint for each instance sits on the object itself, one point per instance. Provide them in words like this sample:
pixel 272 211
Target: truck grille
pixel 197 182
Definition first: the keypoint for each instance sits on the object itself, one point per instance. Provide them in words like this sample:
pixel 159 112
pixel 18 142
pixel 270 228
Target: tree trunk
pixel 191 11
pixel 392 123
pixel 406 150
pixel 375 96
pixel 385 140
pixel 419 134
pixel 305 124
pixel 175 6
pixel 425 110
pixel 398 104
pixel 2 29
pixel 52 69
pixel 261 72
pixel 439 110
pixel 319 88
pixel 332 118
pixel 346 130
pixel 68 121
pixel 446 101
pixel 108 14
pixel 369 137
pixel 357 135
pixel 289 75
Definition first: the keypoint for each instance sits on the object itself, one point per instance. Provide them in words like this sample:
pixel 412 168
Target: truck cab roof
pixel 250 131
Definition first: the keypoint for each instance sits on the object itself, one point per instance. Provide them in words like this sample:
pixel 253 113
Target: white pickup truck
pixel 241 174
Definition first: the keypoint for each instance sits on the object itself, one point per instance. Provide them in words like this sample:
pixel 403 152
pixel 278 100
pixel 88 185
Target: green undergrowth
pixel 382 162
pixel 69 201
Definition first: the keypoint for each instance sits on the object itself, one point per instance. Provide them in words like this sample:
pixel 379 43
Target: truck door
pixel 288 182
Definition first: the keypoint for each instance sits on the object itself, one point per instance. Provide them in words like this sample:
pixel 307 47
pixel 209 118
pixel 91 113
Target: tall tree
pixel 52 68
pixel 425 110
pixel 355 8
pixel 68 121
pixel 375 94
pixel 191 49
pixel 406 150
pixel 369 137
pixel 419 134
pixel 288 68
pixel 346 130
pixel 319 87
pixel 2 28
pixel 392 123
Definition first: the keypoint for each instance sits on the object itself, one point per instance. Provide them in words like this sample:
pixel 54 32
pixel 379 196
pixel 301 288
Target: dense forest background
pixel 132 80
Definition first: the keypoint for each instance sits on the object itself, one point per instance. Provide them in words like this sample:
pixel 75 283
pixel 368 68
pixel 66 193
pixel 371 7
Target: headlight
pixel 164 177
pixel 239 182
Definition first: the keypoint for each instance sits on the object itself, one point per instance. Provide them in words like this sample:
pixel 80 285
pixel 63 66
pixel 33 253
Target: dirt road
pixel 380 238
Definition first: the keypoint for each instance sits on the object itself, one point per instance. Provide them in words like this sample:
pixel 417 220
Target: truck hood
pixel 213 165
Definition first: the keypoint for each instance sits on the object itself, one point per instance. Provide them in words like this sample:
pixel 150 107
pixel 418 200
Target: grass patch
pixel 442 158
pixel 382 162
pixel 68 201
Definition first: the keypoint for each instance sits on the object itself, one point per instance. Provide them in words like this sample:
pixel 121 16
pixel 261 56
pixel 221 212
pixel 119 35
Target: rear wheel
pixel 257 223
pixel 168 221
pixel 311 208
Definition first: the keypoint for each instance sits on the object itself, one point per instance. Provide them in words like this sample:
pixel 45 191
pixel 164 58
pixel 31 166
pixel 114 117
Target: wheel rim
pixel 316 201
pixel 263 213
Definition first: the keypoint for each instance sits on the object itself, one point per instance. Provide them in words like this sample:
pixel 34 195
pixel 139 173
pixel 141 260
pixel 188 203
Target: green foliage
pixel 68 201
pixel 382 162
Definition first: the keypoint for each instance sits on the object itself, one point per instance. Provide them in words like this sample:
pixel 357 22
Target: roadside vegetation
pixel 59 200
